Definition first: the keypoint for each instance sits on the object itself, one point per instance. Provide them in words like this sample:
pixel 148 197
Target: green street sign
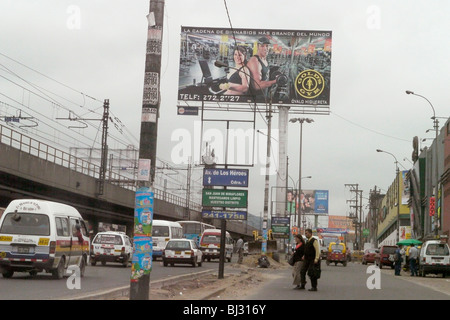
pixel 366 232
pixel 224 198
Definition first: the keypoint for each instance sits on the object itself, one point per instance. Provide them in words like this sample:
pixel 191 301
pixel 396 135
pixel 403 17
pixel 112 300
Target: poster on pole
pixel 224 65
pixel 142 241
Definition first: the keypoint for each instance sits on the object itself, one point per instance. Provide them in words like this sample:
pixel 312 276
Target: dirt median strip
pixel 124 291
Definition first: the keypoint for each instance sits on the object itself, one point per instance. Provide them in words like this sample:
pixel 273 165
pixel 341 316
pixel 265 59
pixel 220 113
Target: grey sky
pixel 380 49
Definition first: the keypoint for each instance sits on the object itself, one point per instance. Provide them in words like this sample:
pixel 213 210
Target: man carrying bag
pixel 311 261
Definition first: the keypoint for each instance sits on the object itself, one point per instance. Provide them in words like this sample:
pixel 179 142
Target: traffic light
pixel 255 234
pixel 269 235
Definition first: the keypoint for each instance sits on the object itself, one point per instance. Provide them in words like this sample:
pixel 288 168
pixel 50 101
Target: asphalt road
pixel 350 283
pixel 22 286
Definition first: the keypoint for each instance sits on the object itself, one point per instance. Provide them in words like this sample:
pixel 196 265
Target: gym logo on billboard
pixel 309 84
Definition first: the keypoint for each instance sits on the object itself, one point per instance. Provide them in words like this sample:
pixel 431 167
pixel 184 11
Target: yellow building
pixel 388 211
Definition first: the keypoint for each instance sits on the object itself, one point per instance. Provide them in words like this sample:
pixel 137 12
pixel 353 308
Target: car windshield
pixel 337 247
pixel 26 223
pixel 371 250
pixel 211 238
pixel 178 245
pixel 108 239
pixel 389 250
pixel 437 249
pixel 160 231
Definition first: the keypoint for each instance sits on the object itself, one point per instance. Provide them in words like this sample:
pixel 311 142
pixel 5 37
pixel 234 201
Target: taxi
pixel 182 251
pixel 111 246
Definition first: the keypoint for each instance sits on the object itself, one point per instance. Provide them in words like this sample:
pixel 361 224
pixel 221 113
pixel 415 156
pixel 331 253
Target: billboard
pixel 289 67
pixel 341 222
pixel 312 201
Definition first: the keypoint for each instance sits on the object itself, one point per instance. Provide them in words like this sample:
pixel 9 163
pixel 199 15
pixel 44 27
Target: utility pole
pixel 104 156
pixel 374 199
pixel 140 282
pixel 358 209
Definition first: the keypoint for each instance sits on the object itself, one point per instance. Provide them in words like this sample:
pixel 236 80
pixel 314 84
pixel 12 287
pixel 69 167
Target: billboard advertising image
pixel 312 201
pixel 289 67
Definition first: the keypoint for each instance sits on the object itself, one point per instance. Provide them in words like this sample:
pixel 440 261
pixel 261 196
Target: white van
pixel 162 232
pixel 434 258
pixel 210 244
pixel 37 235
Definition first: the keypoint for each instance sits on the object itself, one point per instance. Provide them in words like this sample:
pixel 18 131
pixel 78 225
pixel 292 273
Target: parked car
pixel 369 256
pixel 182 251
pixel 434 258
pixel 111 246
pixel 385 256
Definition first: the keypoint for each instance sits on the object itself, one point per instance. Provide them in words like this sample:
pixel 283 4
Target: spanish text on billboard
pixel 255 66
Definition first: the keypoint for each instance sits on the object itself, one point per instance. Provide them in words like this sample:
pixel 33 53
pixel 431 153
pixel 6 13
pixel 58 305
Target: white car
pixel 182 251
pixel 434 258
pixel 111 246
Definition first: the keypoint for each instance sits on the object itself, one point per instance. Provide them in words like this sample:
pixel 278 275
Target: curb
pixel 124 291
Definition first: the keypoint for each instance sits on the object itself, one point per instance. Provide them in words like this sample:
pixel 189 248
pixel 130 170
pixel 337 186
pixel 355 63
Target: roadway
pixel 97 278
pixel 351 283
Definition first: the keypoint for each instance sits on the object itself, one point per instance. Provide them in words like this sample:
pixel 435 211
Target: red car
pixel 385 256
pixel 369 256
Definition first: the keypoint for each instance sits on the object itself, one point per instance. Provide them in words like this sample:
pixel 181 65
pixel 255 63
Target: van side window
pixel 84 228
pixel 62 227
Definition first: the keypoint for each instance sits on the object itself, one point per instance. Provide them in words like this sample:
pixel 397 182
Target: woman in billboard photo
pixel 239 77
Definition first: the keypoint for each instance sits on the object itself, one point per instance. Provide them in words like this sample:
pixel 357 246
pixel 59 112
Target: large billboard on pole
pixel 311 201
pixel 289 67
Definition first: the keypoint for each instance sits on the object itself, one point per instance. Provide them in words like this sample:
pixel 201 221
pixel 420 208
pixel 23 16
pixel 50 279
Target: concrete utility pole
pixel 358 209
pixel 104 156
pixel 140 287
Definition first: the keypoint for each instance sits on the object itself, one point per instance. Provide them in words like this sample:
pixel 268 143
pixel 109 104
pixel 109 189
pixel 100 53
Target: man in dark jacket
pixel 310 258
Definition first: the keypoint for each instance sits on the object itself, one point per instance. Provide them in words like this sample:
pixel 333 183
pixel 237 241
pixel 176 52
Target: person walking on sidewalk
pixel 310 258
pixel 398 260
pixel 299 251
pixel 413 255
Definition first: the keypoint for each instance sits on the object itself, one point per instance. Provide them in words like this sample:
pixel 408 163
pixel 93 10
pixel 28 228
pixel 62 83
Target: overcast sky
pixel 379 50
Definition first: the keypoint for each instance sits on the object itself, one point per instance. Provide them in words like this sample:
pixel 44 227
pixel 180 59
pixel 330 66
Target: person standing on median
pixel 240 249
pixel 310 258
pixel 299 251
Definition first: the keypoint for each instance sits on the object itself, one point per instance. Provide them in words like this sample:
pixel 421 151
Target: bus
pixel 194 229
pixel 162 232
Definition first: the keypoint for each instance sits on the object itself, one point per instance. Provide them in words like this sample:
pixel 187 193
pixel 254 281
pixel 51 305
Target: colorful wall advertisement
pixel 142 241
pixel 240 66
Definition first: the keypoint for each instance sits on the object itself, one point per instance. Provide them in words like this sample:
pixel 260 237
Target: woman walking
pixel 298 257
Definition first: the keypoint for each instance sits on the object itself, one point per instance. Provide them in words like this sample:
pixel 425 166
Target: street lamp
pixel 301 121
pixel 436 128
pixel 398 193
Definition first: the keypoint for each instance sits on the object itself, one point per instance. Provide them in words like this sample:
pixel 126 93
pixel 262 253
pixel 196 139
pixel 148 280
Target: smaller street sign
pixel 228 215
